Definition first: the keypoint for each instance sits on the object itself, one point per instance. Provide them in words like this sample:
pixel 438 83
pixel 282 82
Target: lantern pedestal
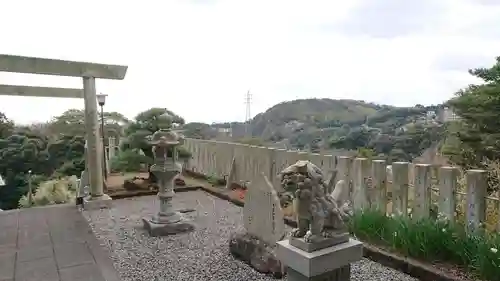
pixel 168 221
pixel 165 229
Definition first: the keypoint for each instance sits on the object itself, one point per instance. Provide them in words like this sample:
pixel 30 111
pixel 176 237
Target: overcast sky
pixel 199 57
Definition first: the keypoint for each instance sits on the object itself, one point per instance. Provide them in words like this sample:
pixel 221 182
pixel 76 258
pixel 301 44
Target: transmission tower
pixel 248 116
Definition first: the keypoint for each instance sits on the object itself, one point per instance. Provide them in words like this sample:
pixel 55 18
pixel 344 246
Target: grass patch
pixel 55 191
pixel 215 181
pixel 431 241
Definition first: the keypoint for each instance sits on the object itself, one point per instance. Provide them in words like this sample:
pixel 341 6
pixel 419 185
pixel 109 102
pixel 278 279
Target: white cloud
pixel 198 58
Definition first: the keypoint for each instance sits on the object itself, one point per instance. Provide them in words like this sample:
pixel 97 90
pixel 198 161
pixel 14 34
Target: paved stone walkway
pixel 52 243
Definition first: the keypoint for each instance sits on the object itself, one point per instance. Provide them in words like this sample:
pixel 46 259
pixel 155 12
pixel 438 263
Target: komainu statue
pixel 320 214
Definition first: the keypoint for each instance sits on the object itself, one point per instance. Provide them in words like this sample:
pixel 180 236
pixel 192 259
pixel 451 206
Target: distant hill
pixel 315 112
pixel 351 125
pixel 394 133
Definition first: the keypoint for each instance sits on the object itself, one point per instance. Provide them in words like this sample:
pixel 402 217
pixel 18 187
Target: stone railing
pixel 240 163
pixel 402 188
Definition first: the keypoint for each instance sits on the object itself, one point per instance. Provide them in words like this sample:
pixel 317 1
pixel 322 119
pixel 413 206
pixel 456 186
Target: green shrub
pixel 56 191
pixel 72 167
pixel 183 153
pixel 214 180
pixel 431 240
pixel 128 161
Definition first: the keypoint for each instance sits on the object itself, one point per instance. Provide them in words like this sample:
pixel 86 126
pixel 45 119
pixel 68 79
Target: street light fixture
pixel 2 183
pixel 101 99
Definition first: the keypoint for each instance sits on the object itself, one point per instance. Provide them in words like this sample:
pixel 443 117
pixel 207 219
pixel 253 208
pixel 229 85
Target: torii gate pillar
pixel 94 150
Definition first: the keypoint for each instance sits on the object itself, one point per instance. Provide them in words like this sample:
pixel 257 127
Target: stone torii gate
pixel 88 72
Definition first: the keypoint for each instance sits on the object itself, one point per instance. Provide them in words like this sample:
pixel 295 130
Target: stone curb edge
pixel 130 194
pixel 409 266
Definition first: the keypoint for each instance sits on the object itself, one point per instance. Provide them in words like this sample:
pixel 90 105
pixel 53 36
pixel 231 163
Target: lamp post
pixel 2 183
pixel 30 190
pixel 101 99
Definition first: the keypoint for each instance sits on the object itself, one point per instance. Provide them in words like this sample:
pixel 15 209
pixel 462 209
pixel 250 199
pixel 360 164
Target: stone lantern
pixel 166 167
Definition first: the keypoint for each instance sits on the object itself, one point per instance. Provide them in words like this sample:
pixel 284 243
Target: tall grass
pixel 56 191
pixel 431 240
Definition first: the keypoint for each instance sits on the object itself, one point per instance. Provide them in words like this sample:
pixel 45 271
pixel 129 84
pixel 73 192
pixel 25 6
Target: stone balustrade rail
pixel 401 188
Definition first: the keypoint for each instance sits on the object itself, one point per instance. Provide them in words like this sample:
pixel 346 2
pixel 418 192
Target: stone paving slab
pixel 53 243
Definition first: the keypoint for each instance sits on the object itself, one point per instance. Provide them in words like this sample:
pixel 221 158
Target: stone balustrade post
pixel 477 185
pixel 448 183
pixel 423 184
pixel 400 184
pixel 360 177
pixel 379 185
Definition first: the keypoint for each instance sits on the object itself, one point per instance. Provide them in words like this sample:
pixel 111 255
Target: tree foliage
pixel 476 137
pixel 144 125
pixel 25 151
pixel 6 126
pixel 195 130
pixel 55 150
pixel 72 122
pixel 129 161
pixel 404 144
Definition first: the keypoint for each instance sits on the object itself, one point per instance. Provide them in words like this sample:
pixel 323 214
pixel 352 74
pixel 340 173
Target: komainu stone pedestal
pixel 321 244
pixel 328 264
pixel 343 274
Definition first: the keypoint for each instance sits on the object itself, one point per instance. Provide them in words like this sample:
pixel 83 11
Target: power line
pixel 248 116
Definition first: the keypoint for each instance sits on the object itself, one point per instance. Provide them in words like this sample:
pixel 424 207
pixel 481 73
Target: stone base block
pixel 340 274
pixel 257 253
pixel 165 229
pixel 96 203
pixel 319 262
pixel 324 243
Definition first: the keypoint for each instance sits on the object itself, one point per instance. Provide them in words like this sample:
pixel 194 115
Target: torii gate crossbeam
pixel 48 92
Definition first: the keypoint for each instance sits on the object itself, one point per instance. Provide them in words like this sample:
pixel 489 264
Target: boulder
pixel 133 184
pixel 257 253
pixel 178 181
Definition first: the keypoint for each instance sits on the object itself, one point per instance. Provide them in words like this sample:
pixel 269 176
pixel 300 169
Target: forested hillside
pixel 372 130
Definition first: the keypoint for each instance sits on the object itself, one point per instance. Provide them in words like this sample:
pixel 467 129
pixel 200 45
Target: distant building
pixel 224 134
pixel 224 130
pixel 448 115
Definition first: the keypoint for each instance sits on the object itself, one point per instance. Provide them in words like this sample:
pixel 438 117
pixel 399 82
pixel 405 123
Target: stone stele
pixel 264 224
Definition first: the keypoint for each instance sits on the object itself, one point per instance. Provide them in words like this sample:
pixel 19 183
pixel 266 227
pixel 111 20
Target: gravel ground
pixel 196 256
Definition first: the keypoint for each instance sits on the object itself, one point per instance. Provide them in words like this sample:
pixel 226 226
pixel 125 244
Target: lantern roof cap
pixel 165 137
